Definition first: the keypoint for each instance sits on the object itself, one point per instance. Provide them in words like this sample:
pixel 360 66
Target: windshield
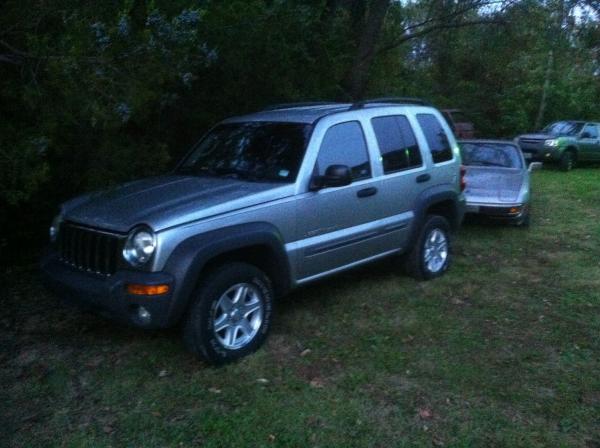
pixel 255 151
pixel 503 155
pixel 563 128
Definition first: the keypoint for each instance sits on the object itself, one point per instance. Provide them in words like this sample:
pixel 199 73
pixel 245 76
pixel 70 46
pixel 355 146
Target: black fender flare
pixel 433 196
pixel 191 256
pixel 574 148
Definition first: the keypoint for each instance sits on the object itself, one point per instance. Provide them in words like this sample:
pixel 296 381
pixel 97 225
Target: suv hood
pixel 493 185
pixel 167 201
pixel 537 136
pixel 544 136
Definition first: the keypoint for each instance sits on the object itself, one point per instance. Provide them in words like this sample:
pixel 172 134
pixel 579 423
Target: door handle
pixel 365 192
pixel 423 178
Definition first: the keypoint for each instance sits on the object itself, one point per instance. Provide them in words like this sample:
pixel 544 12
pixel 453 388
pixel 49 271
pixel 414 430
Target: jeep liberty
pixel 264 203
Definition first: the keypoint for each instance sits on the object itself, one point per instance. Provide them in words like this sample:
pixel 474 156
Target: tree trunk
pixel 356 79
pixel 328 12
pixel 542 109
pixel 138 13
pixel 548 76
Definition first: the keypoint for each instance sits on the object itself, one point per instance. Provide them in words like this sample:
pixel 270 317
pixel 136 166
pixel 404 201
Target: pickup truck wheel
pixel 431 255
pixel 230 316
pixel 567 161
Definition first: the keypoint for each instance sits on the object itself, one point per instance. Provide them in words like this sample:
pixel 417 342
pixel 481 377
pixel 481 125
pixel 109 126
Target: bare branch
pixel 445 21
pixel 442 26
pixel 10 59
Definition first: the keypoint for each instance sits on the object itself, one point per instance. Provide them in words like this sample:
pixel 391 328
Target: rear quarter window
pixel 436 137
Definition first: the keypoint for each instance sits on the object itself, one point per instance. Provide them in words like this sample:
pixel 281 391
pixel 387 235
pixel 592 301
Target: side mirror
pixel 335 176
pixel 534 166
pixel 585 135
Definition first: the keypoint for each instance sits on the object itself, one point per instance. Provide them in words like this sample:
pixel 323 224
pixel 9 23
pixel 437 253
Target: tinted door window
pixel 591 130
pixel 344 144
pixel 397 143
pixel 436 138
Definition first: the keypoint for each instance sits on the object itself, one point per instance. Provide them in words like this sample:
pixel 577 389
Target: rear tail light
pixel 463 182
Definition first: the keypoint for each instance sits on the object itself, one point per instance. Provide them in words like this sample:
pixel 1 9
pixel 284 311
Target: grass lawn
pixel 502 351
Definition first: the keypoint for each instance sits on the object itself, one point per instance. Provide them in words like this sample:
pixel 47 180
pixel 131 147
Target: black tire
pixel 415 263
pixel 567 161
pixel 198 329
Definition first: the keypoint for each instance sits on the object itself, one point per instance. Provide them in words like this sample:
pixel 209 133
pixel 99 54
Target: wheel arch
pixel 439 201
pixel 572 149
pixel 259 244
pixel 446 208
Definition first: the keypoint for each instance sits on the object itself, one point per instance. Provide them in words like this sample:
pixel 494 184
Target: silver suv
pixel 264 203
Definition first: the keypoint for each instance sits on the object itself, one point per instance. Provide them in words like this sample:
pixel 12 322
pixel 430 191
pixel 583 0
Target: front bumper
pixel 108 296
pixel 501 212
pixel 543 154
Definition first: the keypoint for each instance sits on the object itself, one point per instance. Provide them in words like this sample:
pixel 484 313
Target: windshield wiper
pixel 195 171
pixel 236 173
pixel 224 172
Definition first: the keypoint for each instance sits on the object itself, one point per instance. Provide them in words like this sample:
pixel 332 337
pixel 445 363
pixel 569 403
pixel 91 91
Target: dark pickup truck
pixel 563 142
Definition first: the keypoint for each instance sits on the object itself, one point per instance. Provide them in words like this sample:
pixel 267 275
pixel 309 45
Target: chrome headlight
pixel 55 227
pixel 139 247
pixel 552 142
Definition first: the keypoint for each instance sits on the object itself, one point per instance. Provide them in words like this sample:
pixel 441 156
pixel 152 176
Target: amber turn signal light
pixel 514 210
pixel 147 290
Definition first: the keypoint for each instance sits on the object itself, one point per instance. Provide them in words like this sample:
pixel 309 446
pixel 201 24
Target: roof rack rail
pixel 390 100
pixel 302 104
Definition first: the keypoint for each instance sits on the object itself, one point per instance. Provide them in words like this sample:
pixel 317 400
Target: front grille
pixel 534 141
pixel 89 249
pixel 530 143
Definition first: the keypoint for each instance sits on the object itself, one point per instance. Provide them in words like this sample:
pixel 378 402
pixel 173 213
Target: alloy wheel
pixel 238 316
pixel 436 250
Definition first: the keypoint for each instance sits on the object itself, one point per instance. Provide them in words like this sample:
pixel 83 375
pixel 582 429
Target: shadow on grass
pixel 44 318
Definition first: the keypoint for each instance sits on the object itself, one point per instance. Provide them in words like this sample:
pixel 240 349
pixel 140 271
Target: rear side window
pixel 344 144
pixel 436 138
pixel 397 143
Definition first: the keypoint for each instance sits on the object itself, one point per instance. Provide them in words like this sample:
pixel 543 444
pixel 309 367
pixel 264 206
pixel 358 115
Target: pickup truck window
pixel 397 143
pixel 436 138
pixel 592 131
pixel 256 151
pixel 344 144
pixel 491 154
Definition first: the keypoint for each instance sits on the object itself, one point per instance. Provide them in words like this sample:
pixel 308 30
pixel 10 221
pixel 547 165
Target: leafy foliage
pixel 98 93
